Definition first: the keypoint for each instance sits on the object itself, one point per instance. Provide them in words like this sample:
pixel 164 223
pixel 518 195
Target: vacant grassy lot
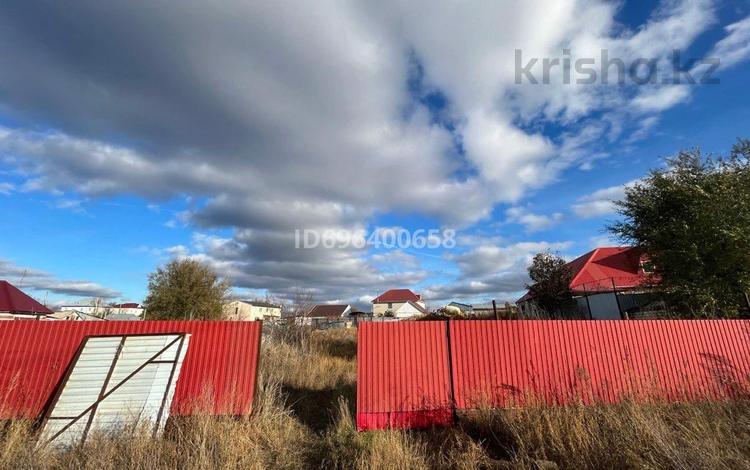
pixel 304 419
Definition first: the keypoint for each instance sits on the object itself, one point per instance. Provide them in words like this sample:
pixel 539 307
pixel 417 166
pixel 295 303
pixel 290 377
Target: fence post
pixel 588 305
pixel 454 415
pixel 746 296
pixel 617 299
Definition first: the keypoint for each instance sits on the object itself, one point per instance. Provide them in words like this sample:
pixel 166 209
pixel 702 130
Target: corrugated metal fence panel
pixel 113 382
pixel 500 363
pixel 218 374
pixel 403 379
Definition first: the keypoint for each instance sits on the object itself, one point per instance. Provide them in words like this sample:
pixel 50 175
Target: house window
pixel 390 305
pixel 647 266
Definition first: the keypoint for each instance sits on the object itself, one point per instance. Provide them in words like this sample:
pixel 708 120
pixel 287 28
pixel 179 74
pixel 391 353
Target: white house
pixel 251 310
pixel 410 309
pixel 394 300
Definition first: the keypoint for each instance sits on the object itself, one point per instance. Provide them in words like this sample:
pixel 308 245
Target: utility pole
pixel 494 309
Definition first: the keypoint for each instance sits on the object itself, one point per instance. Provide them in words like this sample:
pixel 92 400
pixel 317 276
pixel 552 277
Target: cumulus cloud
pixel 284 116
pixel 601 202
pixel 603 240
pixel 255 258
pixel 487 259
pixel 398 259
pixel 532 222
pixel 490 271
pixel 41 281
pixel 503 287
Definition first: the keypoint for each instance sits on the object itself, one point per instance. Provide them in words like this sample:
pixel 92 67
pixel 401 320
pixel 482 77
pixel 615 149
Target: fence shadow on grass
pixel 314 407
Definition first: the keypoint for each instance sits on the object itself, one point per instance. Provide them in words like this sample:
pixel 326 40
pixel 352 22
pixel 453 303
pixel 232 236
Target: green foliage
pixel 185 289
pixel 693 220
pixel 550 285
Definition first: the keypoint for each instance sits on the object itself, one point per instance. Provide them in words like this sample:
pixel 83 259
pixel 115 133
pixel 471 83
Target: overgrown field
pixel 304 419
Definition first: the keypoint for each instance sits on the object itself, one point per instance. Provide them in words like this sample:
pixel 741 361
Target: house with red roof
pixel 330 312
pixel 16 305
pixel 399 303
pixel 597 277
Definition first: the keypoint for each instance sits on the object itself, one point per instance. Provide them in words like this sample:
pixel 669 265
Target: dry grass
pixel 304 419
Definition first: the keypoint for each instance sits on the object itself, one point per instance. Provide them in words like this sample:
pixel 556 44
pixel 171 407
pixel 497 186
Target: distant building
pixel 249 310
pixel 330 311
pixel 74 316
pixel 465 308
pixel 16 305
pixel 487 310
pixel 101 311
pixel 400 303
pixel 410 309
pixel 122 317
pixel 606 283
pixel 326 313
pixel 505 311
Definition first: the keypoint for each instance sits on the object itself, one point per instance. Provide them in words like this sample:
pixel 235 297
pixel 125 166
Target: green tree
pixel 550 283
pixel 693 220
pixel 185 289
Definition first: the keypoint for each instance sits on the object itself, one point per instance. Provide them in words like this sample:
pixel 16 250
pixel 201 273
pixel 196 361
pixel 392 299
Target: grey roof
pixel 122 316
pixel 77 314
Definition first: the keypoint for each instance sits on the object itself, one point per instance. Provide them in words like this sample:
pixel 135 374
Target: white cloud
pixel 659 99
pixel 735 47
pixel 395 259
pixel 72 205
pixel 602 241
pixel 601 202
pixel 6 188
pixel 177 251
pixel 532 222
pixel 274 117
pixel 488 259
pixel 40 281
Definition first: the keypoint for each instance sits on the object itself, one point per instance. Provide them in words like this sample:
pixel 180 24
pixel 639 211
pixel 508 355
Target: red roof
pixel 604 268
pixel 14 301
pixel 329 311
pixel 596 270
pixel 397 295
pixel 127 305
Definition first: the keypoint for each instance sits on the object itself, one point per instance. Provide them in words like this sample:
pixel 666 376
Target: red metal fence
pixel 403 379
pixel 507 362
pixel 499 363
pixel 218 374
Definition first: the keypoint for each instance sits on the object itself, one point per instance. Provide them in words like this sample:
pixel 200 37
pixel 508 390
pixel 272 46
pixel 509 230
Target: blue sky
pixel 133 134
